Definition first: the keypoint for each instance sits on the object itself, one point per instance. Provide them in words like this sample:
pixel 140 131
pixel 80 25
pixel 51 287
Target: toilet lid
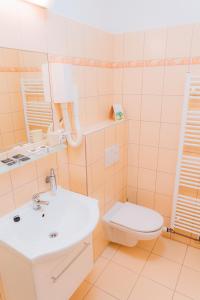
pixel 137 218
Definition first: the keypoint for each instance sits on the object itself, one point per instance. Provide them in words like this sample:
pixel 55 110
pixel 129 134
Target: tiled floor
pixel 153 270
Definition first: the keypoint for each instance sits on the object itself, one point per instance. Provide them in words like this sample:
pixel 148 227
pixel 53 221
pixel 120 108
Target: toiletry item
pixel 9 161
pixel 53 138
pixel 118 112
pixel 39 150
pixel 21 157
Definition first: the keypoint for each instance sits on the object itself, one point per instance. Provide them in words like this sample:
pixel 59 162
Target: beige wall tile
pixel 153 80
pixel 155 44
pixel 151 108
pixel 149 135
pixel 132 82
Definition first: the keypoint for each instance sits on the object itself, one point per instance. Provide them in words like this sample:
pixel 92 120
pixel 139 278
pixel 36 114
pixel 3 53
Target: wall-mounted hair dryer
pixel 65 91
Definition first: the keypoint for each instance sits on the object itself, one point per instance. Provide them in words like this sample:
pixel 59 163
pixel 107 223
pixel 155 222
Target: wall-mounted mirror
pixel 25 102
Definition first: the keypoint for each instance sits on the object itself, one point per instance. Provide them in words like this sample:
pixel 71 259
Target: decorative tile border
pixel 126 64
pixel 87 62
pixel 20 69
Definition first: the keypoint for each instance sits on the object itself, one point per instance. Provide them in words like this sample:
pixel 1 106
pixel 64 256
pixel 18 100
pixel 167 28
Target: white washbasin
pixel 69 215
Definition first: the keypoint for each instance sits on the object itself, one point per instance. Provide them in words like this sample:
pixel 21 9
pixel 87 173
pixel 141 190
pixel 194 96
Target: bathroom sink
pixel 67 220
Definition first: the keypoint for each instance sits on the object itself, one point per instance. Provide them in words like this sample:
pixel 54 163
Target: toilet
pixel 127 223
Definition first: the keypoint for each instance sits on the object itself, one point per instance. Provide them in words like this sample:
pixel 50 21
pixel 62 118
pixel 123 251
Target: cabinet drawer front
pixel 69 277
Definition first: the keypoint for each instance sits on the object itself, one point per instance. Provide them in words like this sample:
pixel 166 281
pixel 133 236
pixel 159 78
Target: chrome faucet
pixel 37 202
pixel 52 180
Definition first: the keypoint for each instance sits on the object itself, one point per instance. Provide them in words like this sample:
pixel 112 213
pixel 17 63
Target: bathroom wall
pixel 12 126
pixel 152 67
pixel 89 175
pixel 90 51
pixel 145 70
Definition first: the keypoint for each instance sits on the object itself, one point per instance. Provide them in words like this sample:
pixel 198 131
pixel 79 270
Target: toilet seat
pixel 137 218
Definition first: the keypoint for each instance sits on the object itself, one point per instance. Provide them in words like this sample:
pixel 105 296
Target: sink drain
pixel 53 235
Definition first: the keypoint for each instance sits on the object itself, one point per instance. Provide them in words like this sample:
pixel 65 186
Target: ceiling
pixel 129 15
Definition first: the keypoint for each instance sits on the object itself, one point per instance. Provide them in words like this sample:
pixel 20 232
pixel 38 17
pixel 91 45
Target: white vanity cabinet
pixel 46 254
pixel 53 278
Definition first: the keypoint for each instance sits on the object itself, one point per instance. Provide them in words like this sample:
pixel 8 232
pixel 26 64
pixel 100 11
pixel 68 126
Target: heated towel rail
pixel 186 210
pixel 37 111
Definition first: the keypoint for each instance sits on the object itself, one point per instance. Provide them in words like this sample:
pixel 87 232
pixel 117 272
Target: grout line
pixel 182 264
pixel 139 275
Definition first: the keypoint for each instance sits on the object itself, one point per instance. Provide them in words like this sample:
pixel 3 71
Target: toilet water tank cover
pixel 137 218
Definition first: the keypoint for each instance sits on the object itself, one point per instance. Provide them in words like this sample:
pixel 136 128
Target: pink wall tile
pixel 134 46
pixel 148 157
pixel 163 204
pixel 155 44
pixel 110 136
pixel 165 183
pixel 117 81
pixel 23 175
pixel 153 80
pixel 169 136
pixel 195 50
pixel 174 80
pixel 179 41
pixel 133 155
pixel 172 109
pixel 77 156
pixel 145 198
pixel 25 193
pixel 63 176
pixel 151 108
pixel 10 19
pixel 134 131
pixel 75 39
pixel 43 165
pixel 167 160
pixel 149 135
pixel 96 174
pixel 5 184
pixel 132 194
pixel 77 179
pixel 118 45
pixel 95 146
pixel 132 176
pixel 146 179
pixel 91 82
pixel 132 106
pixel 132 83
pixel 6 204
pixel 33 24
pixel 99 194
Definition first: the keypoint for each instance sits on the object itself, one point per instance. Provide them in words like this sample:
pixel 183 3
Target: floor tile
pixel 189 283
pixel 192 258
pixel 132 258
pixel 147 245
pixel 98 268
pixel 178 296
pixel 97 294
pixel 162 270
pixel 110 251
pixel 170 249
pixel 148 289
pixel 81 291
pixel 117 281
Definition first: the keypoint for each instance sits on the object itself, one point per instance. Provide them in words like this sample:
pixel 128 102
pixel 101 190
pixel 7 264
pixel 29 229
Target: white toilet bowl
pixel 127 223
